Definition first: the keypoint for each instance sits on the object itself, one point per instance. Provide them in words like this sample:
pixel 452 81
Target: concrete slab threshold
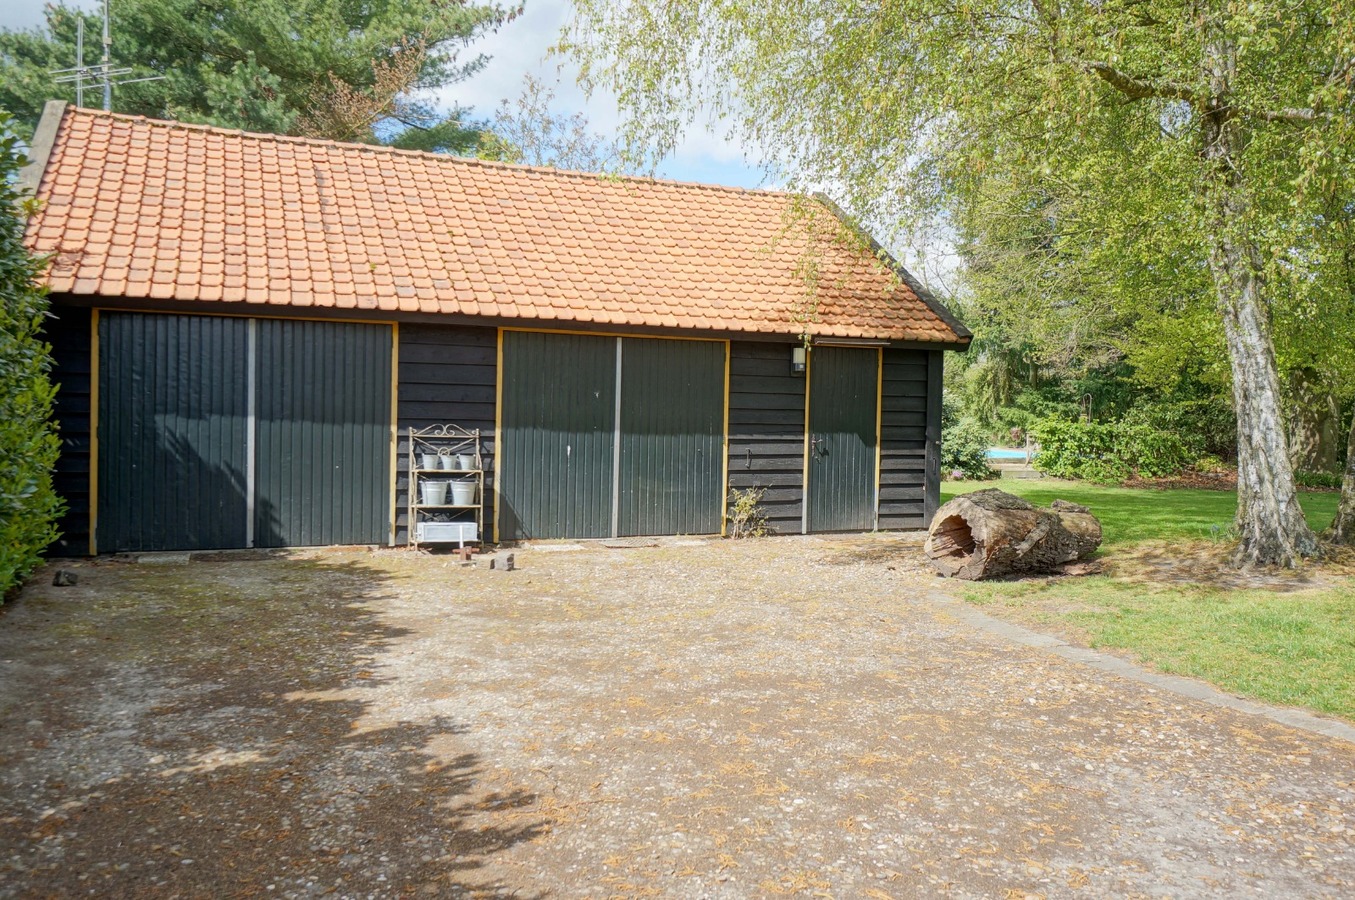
pixel 1176 684
pixel 176 558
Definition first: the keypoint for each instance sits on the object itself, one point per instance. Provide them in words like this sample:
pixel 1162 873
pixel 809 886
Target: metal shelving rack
pixel 445 523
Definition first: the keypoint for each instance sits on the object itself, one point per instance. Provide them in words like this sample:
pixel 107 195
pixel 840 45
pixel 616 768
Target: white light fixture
pixel 797 359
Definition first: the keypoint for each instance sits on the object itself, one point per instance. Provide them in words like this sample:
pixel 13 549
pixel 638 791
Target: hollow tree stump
pixel 990 533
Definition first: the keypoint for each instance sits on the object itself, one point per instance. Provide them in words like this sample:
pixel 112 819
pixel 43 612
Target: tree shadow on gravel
pixel 190 731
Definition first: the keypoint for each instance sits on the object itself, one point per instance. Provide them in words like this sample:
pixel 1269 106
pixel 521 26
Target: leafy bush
pixel 1108 452
pixel 1208 426
pixel 1329 480
pixel 28 442
pixel 1155 454
pixel 964 449
pixel 1033 404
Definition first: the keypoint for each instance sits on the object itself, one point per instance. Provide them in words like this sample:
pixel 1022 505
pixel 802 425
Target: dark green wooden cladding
pixel 323 434
pixel 557 436
pixel 842 411
pixel 172 432
pixel 672 437
pixel 447 375
pixel 767 430
pixel 69 335
pixel 905 447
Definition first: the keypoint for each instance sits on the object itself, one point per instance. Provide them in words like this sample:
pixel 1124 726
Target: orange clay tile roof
pixel 143 209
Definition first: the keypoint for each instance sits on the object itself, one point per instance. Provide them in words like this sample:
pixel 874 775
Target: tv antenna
pixel 104 73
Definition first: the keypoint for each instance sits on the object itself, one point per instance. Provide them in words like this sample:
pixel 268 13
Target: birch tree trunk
pixel 1270 523
pixel 1343 526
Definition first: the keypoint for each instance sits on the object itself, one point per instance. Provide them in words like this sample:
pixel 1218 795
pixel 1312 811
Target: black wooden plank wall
pixel 447 375
pixel 767 429
pixel 903 448
pixel 69 335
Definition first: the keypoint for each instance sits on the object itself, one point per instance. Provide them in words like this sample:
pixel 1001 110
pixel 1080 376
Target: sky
pixel 519 49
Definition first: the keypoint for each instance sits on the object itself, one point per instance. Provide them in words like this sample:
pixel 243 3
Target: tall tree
pixel 1235 107
pixel 268 65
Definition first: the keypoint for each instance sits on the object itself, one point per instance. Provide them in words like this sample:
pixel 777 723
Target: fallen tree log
pixel 990 533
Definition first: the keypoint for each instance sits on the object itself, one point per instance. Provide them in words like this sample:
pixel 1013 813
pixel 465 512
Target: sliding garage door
pixel 672 437
pixel 173 432
pixel 610 436
pixel 323 415
pixel 557 441
pixel 220 432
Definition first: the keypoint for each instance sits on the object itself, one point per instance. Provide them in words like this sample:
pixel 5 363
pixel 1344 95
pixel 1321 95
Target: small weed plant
pixel 746 515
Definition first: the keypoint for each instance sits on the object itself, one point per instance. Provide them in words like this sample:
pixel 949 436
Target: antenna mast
pixel 79 60
pixel 103 73
pixel 106 63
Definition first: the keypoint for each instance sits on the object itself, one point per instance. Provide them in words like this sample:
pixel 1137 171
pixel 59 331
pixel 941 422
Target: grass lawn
pixel 1289 640
pixel 1132 515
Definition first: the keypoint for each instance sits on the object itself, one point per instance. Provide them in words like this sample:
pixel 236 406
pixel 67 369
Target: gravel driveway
pixel 788 716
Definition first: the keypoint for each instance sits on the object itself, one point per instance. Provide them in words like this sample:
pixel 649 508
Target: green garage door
pixel 323 446
pixel 200 448
pixel 173 436
pixel 843 399
pixel 557 444
pixel 672 437
pixel 610 436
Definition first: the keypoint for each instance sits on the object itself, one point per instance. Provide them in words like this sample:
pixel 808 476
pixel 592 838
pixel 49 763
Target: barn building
pixel 247 327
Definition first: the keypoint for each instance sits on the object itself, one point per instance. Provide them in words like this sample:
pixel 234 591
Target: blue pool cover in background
pixel 1006 453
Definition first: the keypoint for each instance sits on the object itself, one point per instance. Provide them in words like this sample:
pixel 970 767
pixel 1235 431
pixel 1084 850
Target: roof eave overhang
pixel 233 308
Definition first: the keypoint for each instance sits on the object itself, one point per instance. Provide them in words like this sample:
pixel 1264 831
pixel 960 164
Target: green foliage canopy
pixel 28 442
pixel 260 65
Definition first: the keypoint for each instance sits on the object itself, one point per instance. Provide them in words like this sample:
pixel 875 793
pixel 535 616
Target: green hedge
pixel 1208 427
pixel 1108 452
pixel 1328 480
pixel 28 442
